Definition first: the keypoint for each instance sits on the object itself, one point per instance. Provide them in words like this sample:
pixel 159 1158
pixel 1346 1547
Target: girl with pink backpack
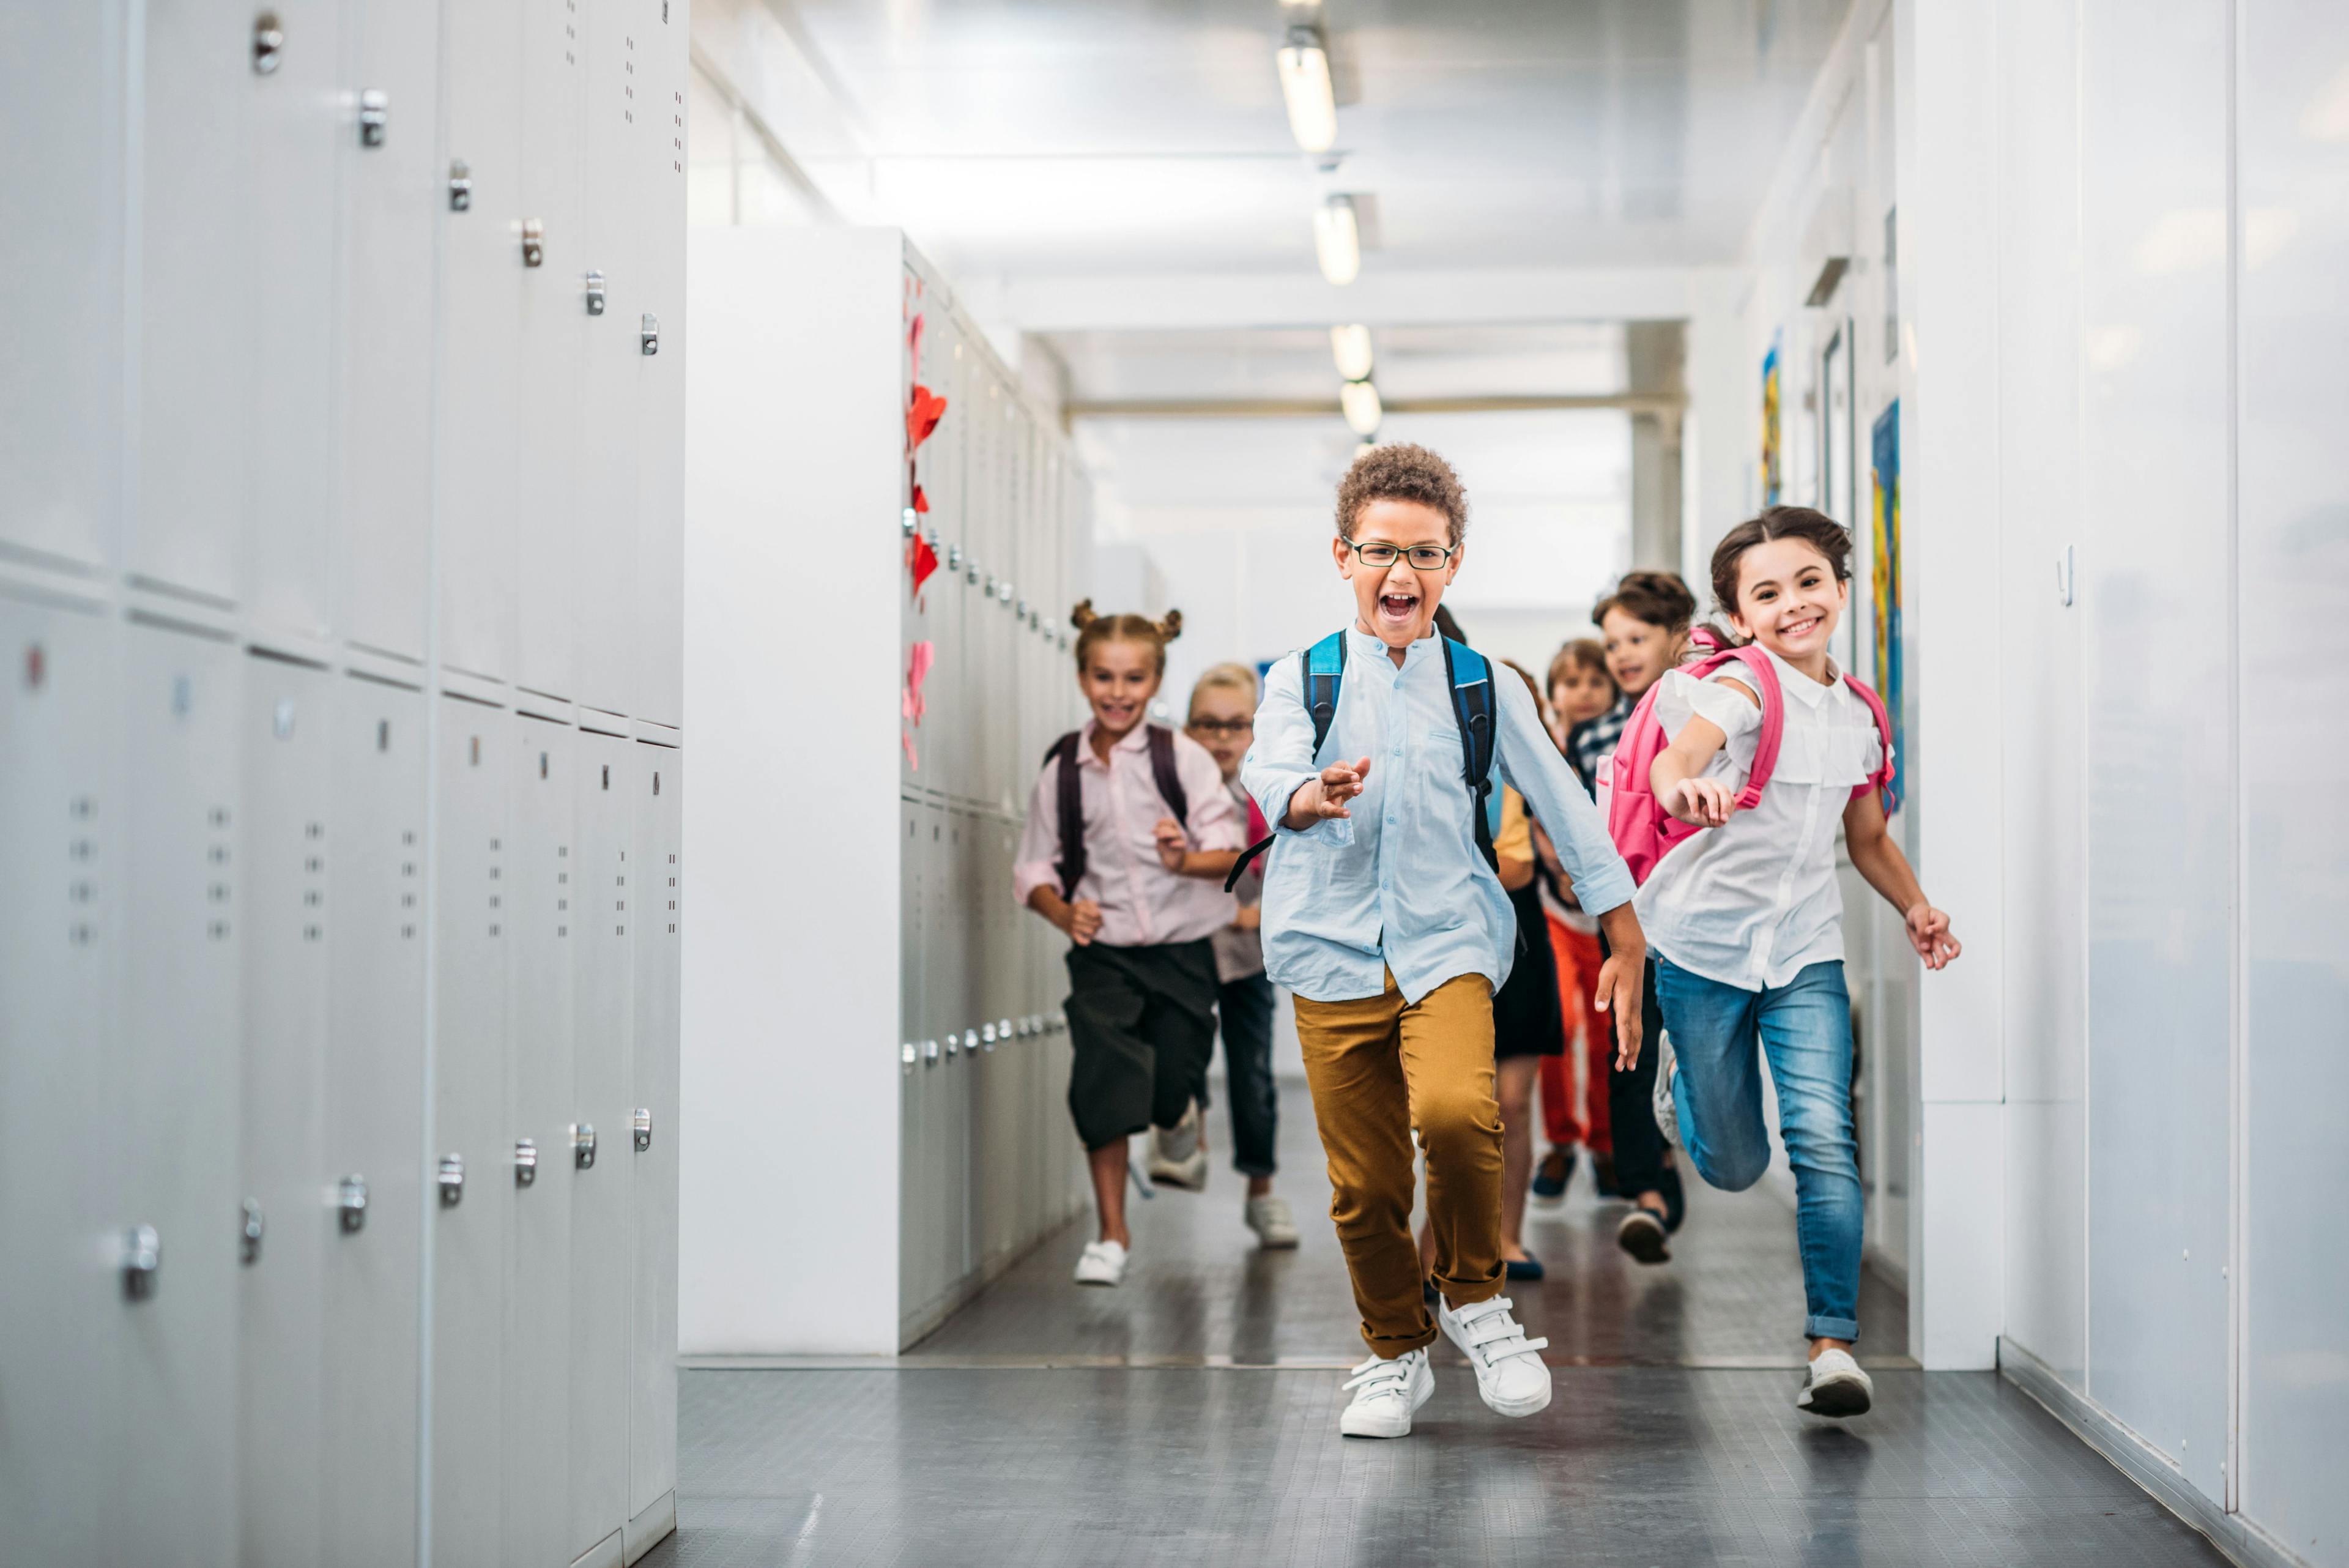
pixel 1727 788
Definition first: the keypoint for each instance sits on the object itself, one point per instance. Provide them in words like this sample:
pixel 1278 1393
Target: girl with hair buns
pixel 1130 832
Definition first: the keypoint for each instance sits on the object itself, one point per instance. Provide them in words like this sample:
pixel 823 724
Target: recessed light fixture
pixel 1304 63
pixel 1359 401
pixel 1350 348
pixel 1337 241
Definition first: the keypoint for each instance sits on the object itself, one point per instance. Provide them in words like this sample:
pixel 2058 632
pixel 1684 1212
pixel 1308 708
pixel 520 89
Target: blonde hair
pixel 1093 629
pixel 1223 678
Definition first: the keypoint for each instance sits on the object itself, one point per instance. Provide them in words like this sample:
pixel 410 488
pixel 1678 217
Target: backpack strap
pixel 1321 675
pixel 1880 781
pixel 1764 682
pixel 1470 674
pixel 1162 771
pixel 1072 811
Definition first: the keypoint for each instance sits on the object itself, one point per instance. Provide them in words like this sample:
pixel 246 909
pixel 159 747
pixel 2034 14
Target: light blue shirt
pixel 1399 885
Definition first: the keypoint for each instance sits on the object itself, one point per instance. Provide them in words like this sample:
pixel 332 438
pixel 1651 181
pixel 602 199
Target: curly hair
pixel 1093 629
pixel 1402 473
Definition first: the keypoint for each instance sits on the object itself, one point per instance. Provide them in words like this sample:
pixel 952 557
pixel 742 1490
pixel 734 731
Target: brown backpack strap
pixel 1169 779
pixel 1072 798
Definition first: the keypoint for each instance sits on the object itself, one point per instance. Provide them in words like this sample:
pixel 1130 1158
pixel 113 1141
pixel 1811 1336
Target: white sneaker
pixel 1836 1386
pixel 1103 1263
pixel 1386 1394
pixel 1509 1371
pixel 1178 1155
pixel 1269 1218
pixel 1668 1116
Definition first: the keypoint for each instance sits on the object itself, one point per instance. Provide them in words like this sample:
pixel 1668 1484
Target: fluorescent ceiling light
pixel 1350 348
pixel 1305 88
pixel 1336 241
pixel 1359 400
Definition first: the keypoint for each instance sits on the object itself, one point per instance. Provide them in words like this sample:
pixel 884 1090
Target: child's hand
pixel 1084 922
pixel 1324 798
pixel 1250 918
pixel 1702 802
pixel 1172 846
pixel 1928 933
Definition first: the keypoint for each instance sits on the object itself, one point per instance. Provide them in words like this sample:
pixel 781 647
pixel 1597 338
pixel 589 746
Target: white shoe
pixel 1836 1386
pixel 1386 1394
pixel 1178 1155
pixel 1103 1263
pixel 1269 1218
pixel 1668 1116
pixel 1509 1371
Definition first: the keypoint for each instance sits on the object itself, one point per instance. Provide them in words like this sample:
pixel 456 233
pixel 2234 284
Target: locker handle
pixel 268 43
pixel 929 1052
pixel 460 185
pixel 526 1161
pixel 533 242
pixel 582 1146
pixel 643 1128
pixel 375 116
pixel 453 1180
pixel 649 334
pixel 908 1053
pixel 595 292
pixel 986 1036
pixel 142 1259
pixel 351 1204
pixel 248 1242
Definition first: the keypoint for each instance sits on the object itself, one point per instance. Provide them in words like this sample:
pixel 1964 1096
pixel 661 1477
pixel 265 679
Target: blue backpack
pixel 1471 676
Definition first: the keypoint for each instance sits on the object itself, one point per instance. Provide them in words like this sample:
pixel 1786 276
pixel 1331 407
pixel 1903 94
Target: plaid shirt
pixel 1588 743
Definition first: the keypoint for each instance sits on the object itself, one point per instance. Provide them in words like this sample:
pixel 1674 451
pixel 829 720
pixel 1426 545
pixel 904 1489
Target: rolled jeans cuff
pixel 1843 1328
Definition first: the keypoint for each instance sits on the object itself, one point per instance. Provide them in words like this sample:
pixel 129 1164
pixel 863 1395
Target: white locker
pixel 663 66
pixel 394 191
pixel 195 300
pixel 477 401
pixel 61 857
pixel 597 1168
pixel 553 254
pixel 544 910
pixel 289 733
pixel 914 1031
pixel 301 136
pixel 658 784
pixel 471 1226
pixel 61 250
pixel 374 863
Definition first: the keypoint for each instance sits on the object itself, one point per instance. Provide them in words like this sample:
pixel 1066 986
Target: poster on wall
pixel 1885 585
pixel 1773 473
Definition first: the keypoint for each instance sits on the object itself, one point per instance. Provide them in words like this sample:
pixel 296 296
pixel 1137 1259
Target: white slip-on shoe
pixel 1386 1393
pixel 1668 1116
pixel 1269 1218
pixel 1509 1370
pixel 1178 1155
pixel 1836 1386
pixel 1103 1263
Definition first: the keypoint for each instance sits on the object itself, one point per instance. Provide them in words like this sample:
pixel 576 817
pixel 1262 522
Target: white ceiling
pixel 1529 358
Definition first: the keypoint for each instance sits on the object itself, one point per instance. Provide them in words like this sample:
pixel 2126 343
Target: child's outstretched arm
pixel 1876 855
pixel 1678 778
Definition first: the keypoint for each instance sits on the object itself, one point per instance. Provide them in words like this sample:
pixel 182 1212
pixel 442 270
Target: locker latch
pixel 909 518
pixel 375 111
pixel 929 1052
pixel 1003 1031
pixel 350 1202
pixel 142 1259
pixel 643 1128
pixel 648 335
pixel 954 558
pixel 453 1180
pixel 460 185
pixel 268 43
pixel 248 1240
pixel 970 1041
pixel 1022 611
pixel 1003 591
pixel 971 574
pixel 954 1045
pixel 582 1146
pixel 526 1161
pixel 986 1036
pixel 533 242
pixel 908 1053
pixel 595 292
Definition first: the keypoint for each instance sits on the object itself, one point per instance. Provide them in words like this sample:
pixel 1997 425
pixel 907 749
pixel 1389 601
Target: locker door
pixel 659 644
pixel 605 524
pixel 471 1223
pixel 374 1124
pixel 301 136
pixel 289 767
pixel 61 859
pixel 658 782
pixel 176 1093
pixel 61 118
pixel 913 1027
pixel 961 1242
pixel 394 194
pixel 553 341
pixel 194 302
pixel 609 905
pixel 477 404
pixel 541 868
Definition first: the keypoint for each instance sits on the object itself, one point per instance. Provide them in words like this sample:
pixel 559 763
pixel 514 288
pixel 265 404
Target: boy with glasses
pixel 1383 915
pixel 1223 719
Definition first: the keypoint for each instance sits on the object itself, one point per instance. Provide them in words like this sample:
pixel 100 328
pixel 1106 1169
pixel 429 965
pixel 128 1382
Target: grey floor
pixel 1190 1416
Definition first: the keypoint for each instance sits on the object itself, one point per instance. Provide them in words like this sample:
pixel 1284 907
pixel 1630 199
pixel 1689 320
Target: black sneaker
pixel 1602 1175
pixel 1642 1235
pixel 1550 1178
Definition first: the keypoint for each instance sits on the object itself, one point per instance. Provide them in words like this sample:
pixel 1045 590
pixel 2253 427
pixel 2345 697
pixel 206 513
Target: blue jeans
pixel 1805 1027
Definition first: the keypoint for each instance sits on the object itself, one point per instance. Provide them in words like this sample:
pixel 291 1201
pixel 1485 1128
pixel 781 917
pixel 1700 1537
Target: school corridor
pixel 764 765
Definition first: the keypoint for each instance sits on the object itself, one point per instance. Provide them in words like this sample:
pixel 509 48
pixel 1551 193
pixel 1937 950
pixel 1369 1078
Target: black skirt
pixel 1527 1019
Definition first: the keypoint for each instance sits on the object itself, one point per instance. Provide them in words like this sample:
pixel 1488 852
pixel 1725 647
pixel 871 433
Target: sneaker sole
pixel 1836 1397
pixel 1644 1241
pixel 1191 1175
pixel 1276 1243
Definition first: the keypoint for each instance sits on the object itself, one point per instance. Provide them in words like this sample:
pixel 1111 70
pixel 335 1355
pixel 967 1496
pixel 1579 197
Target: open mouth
pixel 1801 628
pixel 1397 608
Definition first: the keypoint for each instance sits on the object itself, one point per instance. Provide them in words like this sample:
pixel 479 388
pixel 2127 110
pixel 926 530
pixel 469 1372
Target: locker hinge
pixel 648 335
pixel 460 185
pixel 582 1146
pixel 268 43
pixel 350 1203
pixel 526 1161
pixel 453 1180
pixel 643 1128
pixel 142 1259
pixel 533 242
pixel 248 1240
pixel 595 292
pixel 375 112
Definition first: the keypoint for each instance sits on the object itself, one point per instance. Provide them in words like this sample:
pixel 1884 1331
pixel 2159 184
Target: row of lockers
pixel 266 1118
pixel 297 276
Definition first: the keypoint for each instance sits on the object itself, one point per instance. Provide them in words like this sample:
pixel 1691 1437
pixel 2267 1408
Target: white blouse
pixel 1753 902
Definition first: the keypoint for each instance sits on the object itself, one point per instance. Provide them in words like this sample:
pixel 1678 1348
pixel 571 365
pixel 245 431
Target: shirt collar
pixel 1809 692
pixel 1135 740
pixel 1366 646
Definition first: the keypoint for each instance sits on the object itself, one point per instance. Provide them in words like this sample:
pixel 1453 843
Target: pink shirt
pixel 1143 904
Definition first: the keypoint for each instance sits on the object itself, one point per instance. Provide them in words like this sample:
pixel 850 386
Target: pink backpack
pixel 1644 832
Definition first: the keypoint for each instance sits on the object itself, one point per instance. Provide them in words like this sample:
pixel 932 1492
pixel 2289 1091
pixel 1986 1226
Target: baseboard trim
pixel 651 1527
pixel 605 1553
pixel 2238 1539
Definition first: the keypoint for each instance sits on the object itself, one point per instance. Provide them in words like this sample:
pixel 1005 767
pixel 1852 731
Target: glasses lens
pixel 1427 558
pixel 1378 555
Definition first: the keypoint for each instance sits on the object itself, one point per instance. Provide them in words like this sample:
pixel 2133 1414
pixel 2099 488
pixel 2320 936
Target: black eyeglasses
pixel 1223 726
pixel 1423 557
